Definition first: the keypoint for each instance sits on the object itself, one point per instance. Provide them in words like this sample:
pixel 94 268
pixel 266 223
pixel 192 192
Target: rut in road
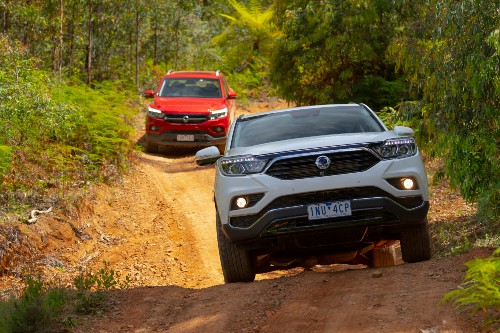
pixel 189 191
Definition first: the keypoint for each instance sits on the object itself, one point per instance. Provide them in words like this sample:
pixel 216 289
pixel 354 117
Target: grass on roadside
pixel 47 307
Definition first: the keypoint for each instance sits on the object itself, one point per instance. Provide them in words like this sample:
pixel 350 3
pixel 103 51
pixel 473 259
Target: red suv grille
pixel 176 118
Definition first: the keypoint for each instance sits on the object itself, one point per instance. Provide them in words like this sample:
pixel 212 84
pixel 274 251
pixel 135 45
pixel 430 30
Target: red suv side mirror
pixel 149 93
pixel 231 95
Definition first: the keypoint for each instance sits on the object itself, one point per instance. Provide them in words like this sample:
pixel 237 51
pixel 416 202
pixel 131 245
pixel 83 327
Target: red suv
pixel 190 109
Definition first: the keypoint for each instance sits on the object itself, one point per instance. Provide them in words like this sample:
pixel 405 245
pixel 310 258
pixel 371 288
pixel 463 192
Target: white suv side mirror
pixel 403 131
pixel 207 155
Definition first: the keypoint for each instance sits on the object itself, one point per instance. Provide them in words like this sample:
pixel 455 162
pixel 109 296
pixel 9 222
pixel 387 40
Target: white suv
pixel 316 185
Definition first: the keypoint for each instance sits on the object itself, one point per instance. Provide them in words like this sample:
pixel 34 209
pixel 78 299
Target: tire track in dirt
pixel 187 189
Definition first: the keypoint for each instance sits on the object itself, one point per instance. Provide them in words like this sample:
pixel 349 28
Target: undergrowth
pixel 46 307
pixel 57 135
pixel 480 290
pixel 462 233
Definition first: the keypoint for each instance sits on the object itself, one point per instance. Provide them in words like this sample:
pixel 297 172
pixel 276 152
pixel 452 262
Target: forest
pixel 72 73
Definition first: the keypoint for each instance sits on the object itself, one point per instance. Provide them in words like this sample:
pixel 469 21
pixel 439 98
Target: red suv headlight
pixel 155 113
pixel 218 114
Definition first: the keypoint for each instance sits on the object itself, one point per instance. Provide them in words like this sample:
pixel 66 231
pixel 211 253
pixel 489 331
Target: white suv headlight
pixel 218 113
pixel 396 148
pixel 241 165
pixel 152 112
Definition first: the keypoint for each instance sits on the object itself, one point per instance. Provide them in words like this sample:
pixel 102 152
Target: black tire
pixel 383 257
pixel 151 147
pixel 237 264
pixel 416 244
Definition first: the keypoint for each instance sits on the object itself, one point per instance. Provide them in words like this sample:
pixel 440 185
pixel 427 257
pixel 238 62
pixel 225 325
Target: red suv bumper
pixel 200 132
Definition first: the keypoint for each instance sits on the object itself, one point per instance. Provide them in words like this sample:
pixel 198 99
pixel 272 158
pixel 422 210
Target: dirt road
pixel 158 227
pixel 165 241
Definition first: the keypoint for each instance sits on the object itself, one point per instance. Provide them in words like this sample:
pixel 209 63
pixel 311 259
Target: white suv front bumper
pixel 280 206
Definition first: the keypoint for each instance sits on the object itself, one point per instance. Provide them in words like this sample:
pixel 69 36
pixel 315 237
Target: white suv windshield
pixel 302 123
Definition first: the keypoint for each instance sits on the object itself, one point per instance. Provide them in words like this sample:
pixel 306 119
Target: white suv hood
pixel 311 142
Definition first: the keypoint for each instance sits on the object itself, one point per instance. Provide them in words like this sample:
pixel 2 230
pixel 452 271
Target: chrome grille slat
pixel 299 167
pixel 176 118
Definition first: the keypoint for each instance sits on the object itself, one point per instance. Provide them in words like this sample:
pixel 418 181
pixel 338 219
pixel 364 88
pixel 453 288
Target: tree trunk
pixel 5 16
pixel 137 34
pixel 58 57
pixel 177 27
pixel 89 43
pixel 71 41
pixel 155 51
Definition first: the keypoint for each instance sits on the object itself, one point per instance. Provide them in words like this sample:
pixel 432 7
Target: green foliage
pixel 481 289
pixel 5 160
pixel 90 289
pixel 54 133
pixel 451 52
pixel 105 133
pixel 246 45
pixel 25 102
pixel 474 164
pixel 36 311
pixel 461 234
pixel 45 308
pixel 333 52
pixel 257 20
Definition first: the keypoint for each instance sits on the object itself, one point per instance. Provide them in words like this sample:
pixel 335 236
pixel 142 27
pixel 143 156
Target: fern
pixel 481 290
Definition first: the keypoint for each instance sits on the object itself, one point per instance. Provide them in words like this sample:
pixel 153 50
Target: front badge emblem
pixel 185 119
pixel 323 162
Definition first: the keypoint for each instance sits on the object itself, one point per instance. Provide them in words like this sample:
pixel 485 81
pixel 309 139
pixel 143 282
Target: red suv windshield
pixel 190 87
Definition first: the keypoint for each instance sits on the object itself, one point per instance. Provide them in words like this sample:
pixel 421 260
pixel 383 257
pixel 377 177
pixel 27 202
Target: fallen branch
pixel 35 212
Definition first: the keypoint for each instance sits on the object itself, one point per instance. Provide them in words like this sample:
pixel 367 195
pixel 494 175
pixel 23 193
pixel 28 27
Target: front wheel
pixel 416 243
pixel 237 264
pixel 151 147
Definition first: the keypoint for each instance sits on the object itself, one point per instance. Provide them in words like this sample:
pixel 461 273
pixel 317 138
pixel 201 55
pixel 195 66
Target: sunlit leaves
pixel 452 56
pixel 51 133
pixel 481 289
pixel 331 51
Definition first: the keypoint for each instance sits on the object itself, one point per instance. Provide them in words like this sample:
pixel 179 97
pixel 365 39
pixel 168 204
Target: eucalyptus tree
pixel 334 51
pixel 451 51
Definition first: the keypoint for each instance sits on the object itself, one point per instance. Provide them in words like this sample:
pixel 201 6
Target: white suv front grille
pixel 305 166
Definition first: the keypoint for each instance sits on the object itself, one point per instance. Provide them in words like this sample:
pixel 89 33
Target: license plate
pixel 185 137
pixel 329 209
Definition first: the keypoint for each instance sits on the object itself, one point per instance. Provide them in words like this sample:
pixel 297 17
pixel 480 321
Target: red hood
pixel 183 105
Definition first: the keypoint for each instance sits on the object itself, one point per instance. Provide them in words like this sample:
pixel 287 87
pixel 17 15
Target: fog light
pixel 241 202
pixel 217 129
pixel 408 183
pixel 155 128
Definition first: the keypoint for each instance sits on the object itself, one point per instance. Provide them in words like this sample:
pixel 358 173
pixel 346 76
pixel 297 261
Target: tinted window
pixel 179 87
pixel 302 123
